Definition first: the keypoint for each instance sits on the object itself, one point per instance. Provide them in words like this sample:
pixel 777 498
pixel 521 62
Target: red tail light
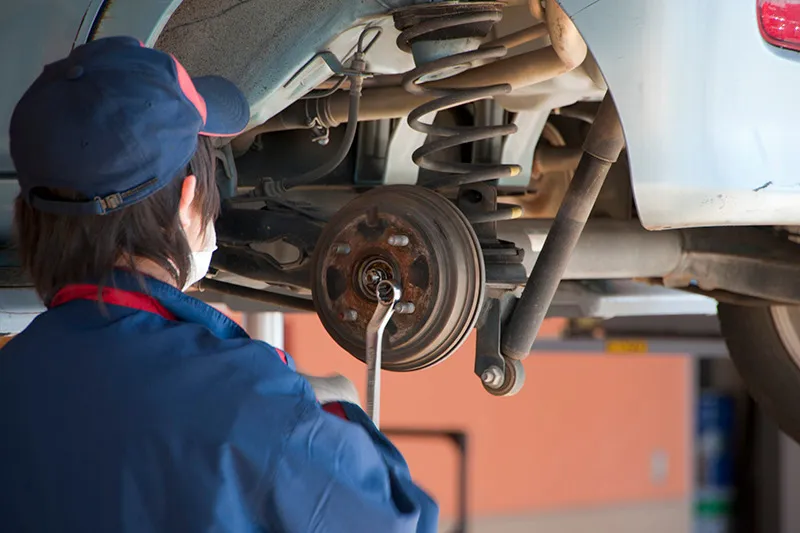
pixel 779 21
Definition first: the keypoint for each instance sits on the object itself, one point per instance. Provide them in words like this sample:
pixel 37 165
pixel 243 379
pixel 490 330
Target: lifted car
pixel 478 153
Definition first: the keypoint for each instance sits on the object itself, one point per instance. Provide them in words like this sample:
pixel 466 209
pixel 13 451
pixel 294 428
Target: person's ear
pixel 185 210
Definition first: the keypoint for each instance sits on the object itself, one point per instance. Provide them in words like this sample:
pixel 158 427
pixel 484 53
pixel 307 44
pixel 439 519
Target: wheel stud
pixel 398 240
pixel 341 249
pixel 350 315
pixel 404 308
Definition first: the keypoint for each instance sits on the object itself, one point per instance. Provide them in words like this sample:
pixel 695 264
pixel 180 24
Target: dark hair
pixel 57 250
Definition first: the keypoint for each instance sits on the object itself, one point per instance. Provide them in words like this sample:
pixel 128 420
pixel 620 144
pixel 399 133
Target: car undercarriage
pixel 457 149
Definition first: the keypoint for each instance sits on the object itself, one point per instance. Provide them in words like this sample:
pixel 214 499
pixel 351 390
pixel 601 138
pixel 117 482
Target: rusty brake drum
pixel 417 238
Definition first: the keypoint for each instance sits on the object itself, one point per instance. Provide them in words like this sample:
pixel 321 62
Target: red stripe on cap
pixel 282 355
pixel 190 91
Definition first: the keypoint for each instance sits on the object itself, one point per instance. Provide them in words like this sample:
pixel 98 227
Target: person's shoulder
pixel 241 352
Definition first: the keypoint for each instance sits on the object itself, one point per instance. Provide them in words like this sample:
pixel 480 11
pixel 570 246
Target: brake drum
pixel 417 238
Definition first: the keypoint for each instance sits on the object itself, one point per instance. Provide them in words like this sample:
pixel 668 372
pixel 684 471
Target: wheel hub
pixel 421 241
pixel 371 273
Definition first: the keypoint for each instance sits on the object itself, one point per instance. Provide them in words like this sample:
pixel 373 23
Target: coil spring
pixel 455 174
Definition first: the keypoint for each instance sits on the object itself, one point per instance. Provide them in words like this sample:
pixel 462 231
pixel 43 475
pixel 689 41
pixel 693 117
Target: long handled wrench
pixel 388 293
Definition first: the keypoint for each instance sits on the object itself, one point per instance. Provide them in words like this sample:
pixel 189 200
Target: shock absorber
pixel 431 32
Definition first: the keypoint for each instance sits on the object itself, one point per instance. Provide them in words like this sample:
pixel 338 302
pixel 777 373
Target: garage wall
pixel 586 431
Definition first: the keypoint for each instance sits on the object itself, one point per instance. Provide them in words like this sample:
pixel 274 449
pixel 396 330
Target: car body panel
pixel 260 44
pixel 707 107
pixel 32 34
pixel 143 19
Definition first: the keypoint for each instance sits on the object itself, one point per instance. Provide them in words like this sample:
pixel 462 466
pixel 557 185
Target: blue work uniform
pixel 155 412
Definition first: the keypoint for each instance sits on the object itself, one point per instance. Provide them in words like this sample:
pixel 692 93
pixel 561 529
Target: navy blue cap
pixel 115 122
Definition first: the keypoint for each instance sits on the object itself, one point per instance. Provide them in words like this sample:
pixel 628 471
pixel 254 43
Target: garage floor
pixel 650 517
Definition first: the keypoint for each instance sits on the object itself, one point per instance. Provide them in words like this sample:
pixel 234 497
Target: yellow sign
pixel 626 346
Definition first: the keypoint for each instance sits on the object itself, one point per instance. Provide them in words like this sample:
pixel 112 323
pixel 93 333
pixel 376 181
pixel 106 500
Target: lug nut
pixel 350 315
pixel 492 377
pixel 398 240
pixel 341 249
pixel 404 308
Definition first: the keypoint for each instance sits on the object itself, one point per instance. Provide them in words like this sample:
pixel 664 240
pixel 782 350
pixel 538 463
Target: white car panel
pixel 710 110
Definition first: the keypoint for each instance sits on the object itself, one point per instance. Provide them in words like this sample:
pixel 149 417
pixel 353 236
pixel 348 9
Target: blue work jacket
pixel 116 418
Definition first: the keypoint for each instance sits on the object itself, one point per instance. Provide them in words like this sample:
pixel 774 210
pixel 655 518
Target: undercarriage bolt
pixel 341 249
pixel 350 315
pixel 398 240
pixel 492 377
pixel 404 308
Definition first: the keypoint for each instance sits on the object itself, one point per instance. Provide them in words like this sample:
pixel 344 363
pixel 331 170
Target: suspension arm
pixel 601 149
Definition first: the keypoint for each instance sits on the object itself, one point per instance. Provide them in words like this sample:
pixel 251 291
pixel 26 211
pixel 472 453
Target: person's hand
pixel 335 388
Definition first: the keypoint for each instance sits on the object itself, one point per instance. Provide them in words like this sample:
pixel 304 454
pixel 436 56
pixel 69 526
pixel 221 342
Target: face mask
pixel 200 260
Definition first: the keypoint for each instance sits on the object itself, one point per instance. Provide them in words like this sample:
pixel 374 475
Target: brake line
pixel 356 73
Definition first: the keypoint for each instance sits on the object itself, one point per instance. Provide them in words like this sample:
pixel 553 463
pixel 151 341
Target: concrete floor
pixel 653 517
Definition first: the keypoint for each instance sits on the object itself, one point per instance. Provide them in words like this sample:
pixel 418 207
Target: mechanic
pixel 128 405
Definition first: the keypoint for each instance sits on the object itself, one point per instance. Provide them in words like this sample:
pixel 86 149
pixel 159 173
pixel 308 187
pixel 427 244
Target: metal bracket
pixel 320 133
pixel 478 199
pixel 227 187
pixel 371 154
pixel 503 259
pixel 243 261
pixel 487 349
pixel 499 376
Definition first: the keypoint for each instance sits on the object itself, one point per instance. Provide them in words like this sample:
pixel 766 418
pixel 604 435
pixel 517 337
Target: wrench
pixel 388 293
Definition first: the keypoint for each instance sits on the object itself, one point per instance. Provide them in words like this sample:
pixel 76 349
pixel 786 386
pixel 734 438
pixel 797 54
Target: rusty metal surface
pixel 519 37
pixel 343 274
pixel 606 138
pixel 755 262
pixel 440 271
pixel 548 184
pixel 567 42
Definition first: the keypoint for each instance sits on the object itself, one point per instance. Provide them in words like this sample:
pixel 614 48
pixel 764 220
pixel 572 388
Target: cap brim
pixel 227 109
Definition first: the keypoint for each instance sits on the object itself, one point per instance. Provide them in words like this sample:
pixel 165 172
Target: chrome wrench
pixel 388 293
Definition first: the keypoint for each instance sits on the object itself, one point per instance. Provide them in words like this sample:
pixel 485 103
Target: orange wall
pixel 581 432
